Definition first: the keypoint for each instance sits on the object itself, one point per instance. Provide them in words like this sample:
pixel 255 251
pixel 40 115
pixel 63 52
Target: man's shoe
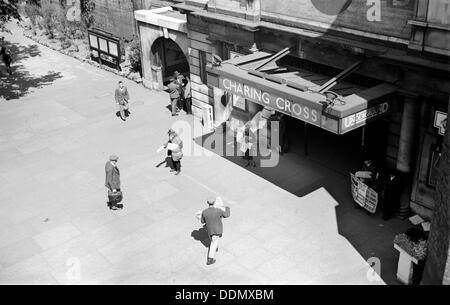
pixel 174 114
pixel 210 261
pixel 172 170
pixel 177 173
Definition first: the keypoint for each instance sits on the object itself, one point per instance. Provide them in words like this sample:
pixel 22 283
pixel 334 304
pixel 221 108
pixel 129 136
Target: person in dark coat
pixel 6 57
pixel 212 218
pixel 174 94
pixel 249 141
pixel 391 198
pixel 179 78
pixel 283 134
pixel 112 179
pixel 187 95
pixel 122 99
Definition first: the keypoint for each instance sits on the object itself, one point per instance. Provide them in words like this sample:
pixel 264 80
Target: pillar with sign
pixel 437 265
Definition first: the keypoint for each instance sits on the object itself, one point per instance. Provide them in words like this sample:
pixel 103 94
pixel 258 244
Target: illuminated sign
pixel 292 108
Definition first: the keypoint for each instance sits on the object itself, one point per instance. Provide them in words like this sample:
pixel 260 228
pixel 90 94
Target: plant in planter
pixel 412 246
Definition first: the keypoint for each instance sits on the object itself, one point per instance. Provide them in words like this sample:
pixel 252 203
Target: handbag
pixel 115 197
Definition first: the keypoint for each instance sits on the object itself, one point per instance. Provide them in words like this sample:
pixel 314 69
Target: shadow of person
pixel 168 161
pixel 202 236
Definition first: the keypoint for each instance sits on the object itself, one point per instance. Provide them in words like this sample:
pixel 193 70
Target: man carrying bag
pixel 112 182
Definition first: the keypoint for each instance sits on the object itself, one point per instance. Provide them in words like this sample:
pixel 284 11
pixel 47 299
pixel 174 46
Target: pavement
pixel 57 129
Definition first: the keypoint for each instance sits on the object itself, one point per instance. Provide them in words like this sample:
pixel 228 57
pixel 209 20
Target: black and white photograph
pixel 205 143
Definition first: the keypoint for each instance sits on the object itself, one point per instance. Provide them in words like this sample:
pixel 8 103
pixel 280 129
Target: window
pixel 113 48
pixel 439 12
pixel 202 62
pixel 93 40
pixel 103 45
pixel 239 102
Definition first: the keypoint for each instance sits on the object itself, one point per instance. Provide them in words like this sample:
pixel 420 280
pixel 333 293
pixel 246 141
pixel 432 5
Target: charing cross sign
pixel 292 108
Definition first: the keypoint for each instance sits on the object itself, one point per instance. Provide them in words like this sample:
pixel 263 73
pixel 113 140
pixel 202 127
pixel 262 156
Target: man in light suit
pixel 122 99
pixel 212 217
pixel 112 180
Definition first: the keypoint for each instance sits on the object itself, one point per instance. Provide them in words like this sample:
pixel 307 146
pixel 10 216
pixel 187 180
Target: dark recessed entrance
pixel 168 57
pixel 341 153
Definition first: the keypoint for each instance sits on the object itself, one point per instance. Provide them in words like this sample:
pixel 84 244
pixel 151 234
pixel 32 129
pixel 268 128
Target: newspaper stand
pixel 363 195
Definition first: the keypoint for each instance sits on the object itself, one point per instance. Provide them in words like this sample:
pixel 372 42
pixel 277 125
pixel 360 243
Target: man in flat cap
pixel 212 217
pixel 112 181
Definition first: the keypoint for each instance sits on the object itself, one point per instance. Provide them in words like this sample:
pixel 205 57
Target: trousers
pixel 123 108
pixel 174 103
pixel 213 246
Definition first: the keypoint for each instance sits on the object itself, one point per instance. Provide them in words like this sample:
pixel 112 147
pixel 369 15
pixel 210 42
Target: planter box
pixel 405 269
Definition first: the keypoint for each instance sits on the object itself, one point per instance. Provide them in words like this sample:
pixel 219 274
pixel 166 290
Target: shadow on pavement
pixel 301 175
pixel 167 161
pixel 202 236
pixel 21 81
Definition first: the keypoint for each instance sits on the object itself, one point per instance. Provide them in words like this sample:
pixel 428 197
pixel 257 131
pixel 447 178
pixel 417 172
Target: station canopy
pixel 329 103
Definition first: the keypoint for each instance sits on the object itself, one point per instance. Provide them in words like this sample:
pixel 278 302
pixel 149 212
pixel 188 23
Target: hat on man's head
pixel 210 200
pixel 171 131
pixel 113 158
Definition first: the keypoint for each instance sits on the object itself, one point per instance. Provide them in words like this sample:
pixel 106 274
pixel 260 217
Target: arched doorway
pixel 166 58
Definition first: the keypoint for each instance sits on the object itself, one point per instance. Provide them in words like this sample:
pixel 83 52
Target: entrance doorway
pixel 167 57
pixel 341 153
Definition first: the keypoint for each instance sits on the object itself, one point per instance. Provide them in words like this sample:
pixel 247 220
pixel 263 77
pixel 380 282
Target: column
pixel 406 150
pixel 437 265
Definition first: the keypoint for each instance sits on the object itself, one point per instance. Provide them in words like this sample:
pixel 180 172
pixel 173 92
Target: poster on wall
pixel 239 102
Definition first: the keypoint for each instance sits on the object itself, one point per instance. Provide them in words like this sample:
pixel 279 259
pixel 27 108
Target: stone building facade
pixel 117 16
pixel 377 45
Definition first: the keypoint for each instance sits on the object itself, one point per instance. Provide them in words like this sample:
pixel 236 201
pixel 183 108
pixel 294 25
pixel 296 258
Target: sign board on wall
pixel 363 117
pixel 292 108
pixel 386 17
pixel 440 121
pixel 104 48
pixel 308 113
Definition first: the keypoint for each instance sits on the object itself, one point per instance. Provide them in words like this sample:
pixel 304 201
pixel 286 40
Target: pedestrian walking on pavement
pixel 174 94
pixel 112 183
pixel 212 218
pixel 175 150
pixel 122 99
pixel 187 95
